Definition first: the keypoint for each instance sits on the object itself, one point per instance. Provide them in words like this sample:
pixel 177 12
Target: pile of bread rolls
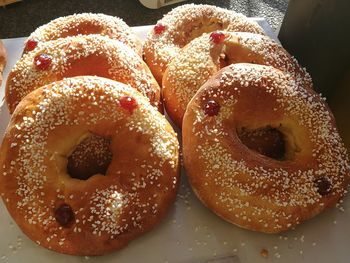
pixel 89 162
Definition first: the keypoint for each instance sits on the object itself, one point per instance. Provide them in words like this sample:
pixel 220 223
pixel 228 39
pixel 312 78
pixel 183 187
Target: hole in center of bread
pixel 90 157
pixel 267 141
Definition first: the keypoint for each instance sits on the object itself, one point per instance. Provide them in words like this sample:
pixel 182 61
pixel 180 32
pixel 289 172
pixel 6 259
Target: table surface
pixel 21 18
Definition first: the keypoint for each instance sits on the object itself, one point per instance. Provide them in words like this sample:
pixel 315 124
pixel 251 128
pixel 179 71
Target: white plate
pixel 191 233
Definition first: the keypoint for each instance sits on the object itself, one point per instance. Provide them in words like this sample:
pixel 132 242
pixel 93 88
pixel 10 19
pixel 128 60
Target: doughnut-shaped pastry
pixel 249 189
pixel 85 24
pixel 205 55
pixel 104 212
pixel 3 58
pixel 78 56
pixel 185 23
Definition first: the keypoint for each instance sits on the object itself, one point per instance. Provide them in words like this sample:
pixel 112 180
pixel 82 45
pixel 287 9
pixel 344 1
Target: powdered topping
pixel 81 105
pixel 187 22
pixel 164 146
pixel 201 59
pixel 177 80
pixel 86 24
pixel 269 187
pixel 275 55
pixel 106 208
pixel 120 63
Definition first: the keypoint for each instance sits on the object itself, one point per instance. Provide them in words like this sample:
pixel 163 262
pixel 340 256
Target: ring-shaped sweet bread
pixel 247 188
pixel 206 55
pixel 104 212
pixel 185 23
pixel 85 24
pixel 79 56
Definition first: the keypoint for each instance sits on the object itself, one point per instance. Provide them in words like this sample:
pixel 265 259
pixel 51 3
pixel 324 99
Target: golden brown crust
pixel 185 23
pixel 86 24
pixel 109 211
pixel 3 59
pixel 78 56
pixel 245 187
pixel 202 58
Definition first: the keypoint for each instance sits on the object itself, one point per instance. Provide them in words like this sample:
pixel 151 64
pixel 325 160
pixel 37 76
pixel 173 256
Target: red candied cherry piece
pixel 211 108
pixel 159 28
pixel 31 44
pixel 42 61
pixel 217 37
pixel 128 103
pixel 64 215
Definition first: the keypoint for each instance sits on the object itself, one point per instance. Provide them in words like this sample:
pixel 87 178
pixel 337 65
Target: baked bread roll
pixel 85 24
pixel 77 56
pixel 249 189
pixel 185 23
pixel 205 55
pixel 99 213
